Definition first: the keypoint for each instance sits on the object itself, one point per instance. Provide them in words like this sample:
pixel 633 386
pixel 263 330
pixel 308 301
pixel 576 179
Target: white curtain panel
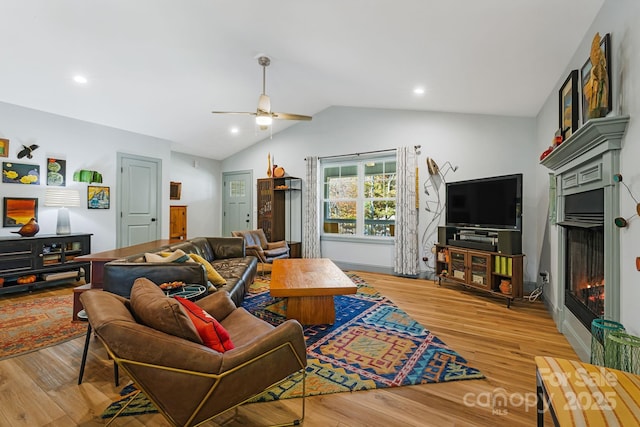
pixel 406 238
pixel 311 229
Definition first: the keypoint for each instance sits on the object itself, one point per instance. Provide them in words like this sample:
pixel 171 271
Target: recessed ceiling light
pixel 235 130
pixel 80 79
pixel 419 91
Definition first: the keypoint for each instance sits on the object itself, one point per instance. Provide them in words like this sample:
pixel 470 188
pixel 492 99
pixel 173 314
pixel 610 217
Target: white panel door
pixel 139 200
pixel 237 200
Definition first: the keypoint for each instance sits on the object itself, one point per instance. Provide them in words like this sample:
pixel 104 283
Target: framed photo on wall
pixel 98 197
pixel 175 189
pixel 596 83
pixel 19 210
pixel 4 147
pixel 20 173
pixel 568 96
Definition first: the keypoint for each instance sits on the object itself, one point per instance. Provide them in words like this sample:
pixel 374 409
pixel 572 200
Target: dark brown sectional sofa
pixel 226 254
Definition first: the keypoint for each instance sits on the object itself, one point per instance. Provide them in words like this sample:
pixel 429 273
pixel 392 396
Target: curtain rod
pixel 415 147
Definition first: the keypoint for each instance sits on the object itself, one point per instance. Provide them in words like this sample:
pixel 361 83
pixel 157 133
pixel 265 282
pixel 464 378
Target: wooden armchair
pixel 256 244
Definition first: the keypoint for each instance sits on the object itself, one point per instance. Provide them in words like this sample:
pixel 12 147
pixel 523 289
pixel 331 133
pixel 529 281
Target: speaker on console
pixel 510 242
pixel 445 233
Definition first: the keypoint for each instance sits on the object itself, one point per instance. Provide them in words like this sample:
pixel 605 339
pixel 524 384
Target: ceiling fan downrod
pixel 264 61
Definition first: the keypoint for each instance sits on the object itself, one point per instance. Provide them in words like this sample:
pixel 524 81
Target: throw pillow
pixel 213 276
pixel 176 256
pixel 153 308
pixel 212 333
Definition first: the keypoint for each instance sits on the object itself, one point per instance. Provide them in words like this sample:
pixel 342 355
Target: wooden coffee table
pixel 310 285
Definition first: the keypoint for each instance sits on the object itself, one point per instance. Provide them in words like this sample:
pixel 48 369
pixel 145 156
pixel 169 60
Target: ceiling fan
pixel 264 115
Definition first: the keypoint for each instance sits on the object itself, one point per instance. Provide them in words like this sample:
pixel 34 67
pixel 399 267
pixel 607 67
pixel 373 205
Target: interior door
pixel 138 199
pixel 237 201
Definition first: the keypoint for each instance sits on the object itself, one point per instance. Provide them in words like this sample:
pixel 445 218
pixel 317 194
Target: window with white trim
pixel 359 196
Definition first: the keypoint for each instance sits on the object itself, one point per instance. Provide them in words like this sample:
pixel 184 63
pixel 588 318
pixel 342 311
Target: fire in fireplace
pixel 584 284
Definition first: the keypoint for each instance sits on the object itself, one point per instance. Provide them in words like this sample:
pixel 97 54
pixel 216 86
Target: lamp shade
pixel 62 197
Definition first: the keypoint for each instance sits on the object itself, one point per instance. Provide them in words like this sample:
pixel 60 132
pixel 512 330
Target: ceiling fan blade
pixel 289 116
pixel 233 112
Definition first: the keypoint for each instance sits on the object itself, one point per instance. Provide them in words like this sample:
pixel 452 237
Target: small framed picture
pixel 20 173
pixel 568 97
pixel 175 188
pixel 4 147
pixel 19 210
pixel 98 197
pixel 595 81
pixel 56 172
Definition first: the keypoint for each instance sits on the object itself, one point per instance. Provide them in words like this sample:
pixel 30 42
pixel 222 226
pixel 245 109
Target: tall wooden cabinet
pixel 280 211
pixel 178 222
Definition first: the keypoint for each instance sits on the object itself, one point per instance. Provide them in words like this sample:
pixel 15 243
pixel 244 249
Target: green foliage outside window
pixel 359 198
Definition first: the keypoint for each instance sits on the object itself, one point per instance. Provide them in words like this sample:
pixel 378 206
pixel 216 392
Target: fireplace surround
pixel 584 166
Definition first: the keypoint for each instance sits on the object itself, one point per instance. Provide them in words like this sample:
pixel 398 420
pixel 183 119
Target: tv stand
pixel 483 270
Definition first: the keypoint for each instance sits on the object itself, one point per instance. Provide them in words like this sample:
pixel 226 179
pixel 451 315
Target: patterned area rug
pixel 36 324
pixel 373 344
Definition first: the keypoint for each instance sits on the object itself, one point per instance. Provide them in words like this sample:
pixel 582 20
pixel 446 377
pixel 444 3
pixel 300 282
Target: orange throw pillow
pixel 213 334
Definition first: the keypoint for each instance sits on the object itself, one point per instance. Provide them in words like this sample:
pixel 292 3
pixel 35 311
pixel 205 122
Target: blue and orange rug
pixel 373 344
pixel 35 323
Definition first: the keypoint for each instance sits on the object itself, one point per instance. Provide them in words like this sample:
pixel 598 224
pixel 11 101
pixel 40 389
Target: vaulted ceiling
pixel 159 67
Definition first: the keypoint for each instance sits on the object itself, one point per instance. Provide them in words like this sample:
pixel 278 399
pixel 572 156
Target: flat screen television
pixel 494 203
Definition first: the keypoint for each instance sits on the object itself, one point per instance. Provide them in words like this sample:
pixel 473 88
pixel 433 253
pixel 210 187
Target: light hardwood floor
pixel 40 388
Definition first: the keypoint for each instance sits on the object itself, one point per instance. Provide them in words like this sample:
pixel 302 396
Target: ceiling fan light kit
pixel 264 115
pixel 263 120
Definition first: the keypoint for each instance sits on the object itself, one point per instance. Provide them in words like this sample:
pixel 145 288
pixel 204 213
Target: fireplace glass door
pixel 585 273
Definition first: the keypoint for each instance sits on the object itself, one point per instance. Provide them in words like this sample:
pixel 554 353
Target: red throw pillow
pixel 213 334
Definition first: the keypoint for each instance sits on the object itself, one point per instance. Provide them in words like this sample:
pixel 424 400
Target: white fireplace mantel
pixel 586 161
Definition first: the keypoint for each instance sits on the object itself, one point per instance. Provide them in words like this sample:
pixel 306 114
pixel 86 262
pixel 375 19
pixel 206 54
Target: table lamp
pixel 63 198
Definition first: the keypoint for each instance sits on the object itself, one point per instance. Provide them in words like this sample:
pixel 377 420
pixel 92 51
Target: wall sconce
pixel 62 198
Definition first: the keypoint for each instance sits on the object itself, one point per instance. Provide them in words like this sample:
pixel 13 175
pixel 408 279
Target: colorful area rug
pixel 36 324
pixel 373 344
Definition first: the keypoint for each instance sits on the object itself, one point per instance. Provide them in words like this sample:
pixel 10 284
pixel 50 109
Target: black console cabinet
pixel 48 258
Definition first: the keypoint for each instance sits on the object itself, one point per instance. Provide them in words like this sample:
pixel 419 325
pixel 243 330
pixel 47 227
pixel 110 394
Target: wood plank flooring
pixel 40 388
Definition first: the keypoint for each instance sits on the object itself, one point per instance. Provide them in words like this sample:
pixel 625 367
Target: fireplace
pixel 584 255
pixel 588 243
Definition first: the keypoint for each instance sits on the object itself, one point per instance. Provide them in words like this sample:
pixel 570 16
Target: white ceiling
pixel 159 67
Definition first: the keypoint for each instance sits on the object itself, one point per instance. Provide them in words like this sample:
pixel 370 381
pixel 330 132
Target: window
pixel 359 197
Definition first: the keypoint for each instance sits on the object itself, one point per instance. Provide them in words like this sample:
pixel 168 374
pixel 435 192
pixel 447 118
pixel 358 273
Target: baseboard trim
pixel 363 267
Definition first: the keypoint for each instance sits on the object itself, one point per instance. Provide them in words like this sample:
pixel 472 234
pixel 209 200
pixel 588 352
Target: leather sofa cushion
pixel 204 248
pixel 153 308
pixel 212 275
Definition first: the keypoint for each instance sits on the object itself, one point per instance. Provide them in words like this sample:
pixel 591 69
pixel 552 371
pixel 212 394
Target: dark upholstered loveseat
pixel 226 254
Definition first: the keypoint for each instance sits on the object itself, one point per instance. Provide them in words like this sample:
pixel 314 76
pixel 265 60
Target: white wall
pixel 201 186
pixel 479 145
pixel 90 146
pixel 619 18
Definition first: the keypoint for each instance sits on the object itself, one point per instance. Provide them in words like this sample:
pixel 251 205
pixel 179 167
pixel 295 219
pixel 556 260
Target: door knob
pixel 153 219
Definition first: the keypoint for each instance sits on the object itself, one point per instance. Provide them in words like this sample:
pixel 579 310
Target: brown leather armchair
pixel 188 382
pixel 256 244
